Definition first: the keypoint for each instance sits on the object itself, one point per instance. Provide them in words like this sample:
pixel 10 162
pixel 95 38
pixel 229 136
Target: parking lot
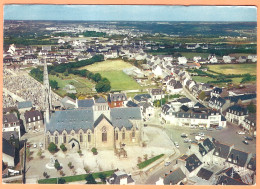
pixel 227 135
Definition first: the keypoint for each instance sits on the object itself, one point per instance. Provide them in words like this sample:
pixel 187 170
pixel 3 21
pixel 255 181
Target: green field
pixel 120 81
pixel 201 79
pixel 234 68
pixel 83 86
pixel 112 70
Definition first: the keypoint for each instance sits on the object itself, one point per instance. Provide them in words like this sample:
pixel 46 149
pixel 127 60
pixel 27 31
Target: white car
pixel 167 163
pixel 40 144
pixel 241 132
pixel 176 144
pixel 35 145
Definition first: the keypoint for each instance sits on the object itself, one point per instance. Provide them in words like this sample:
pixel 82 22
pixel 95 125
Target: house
pixel 249 124
pixel 175 177
pixel 236 114
pixel 221 153
pixel 11 123
pixel 196 58
pixel 189 164
pixel 229 176
pixel 33 120
pixel 238 159
pixel 120 178
pixel 186 101
pixel 182 60
pixel 147 110
pixel 213 59
pixel 174 87
pixel 157 94
pixel 157 70
pixel 242 59
pixel 117 100
pixel 142 98
pixel 131 104
pixel 216 92
pixel 227 59
pixel 219 103
pixel 252 58
pixel 8 153
pixel 70 89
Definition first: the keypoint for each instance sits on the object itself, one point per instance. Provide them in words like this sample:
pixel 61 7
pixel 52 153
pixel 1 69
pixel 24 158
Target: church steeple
pixel 47 93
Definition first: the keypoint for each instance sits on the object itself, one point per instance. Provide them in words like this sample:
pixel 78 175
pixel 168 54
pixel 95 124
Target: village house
pixel 24 106
pixel 8 154
pixel 33 120
pixel 227 59
pixel 182 60
pixel 120 178
pixel 157 94
pixel 175 177
pixel 147 110
pixel 249 124
pixel 11 123
pixel 174 87
pixel 221 153
pixel 117 100
pixel 219 103
pixel 236 114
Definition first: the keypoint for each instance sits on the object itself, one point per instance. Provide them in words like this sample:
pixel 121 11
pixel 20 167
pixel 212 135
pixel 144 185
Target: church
pixel 96 126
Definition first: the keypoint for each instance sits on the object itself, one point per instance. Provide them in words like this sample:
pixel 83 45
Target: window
pixel 80 137
pixel 123 135
pixel 104 134
pixel 29 119
pixel 33 118
pixel 133 134
pixel 64 138
pixel 116 135
pixel 48 139
pixel 38 117
pixel 56 139
pixel 89 137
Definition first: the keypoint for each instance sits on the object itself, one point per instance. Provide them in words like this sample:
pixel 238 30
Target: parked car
pixel 245 142
pixel 186 140
pixel 248 138
pixel 176 144
pixel 210 129
pixel 35 145
pixel 184 135
pixel 40 144
pixel 241 132
pixel 167 163
pixel 202 134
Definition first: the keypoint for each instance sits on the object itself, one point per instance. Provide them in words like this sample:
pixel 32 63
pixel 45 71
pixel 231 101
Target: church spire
pixel 47 93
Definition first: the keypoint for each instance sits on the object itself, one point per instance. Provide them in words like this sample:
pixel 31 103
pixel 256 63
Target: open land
pixel 234 68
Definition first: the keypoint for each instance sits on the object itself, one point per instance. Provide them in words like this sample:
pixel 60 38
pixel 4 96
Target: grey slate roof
pixel 131 104
pixel 174 177
pixel 117 176
pixel 208 144
pixel 225 180
pixel 121 116
pixel 10 118
pixel 25 104
pixel 8 148
pixel 142 97
pixel 222 150
pixel 31 114
pixel 237 110
pixel 87 103
pixel 241 97
pixel 100 118
pixel 116 97
pixel 238 156
pixel 204 173
pixel 71 119
pixel 184 100
pixel 192 162
pixel 252 164
pixel 8 134
pixel 217 90
pixel 100 100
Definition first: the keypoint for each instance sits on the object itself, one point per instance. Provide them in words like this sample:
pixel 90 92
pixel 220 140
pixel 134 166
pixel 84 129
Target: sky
pixel 130 13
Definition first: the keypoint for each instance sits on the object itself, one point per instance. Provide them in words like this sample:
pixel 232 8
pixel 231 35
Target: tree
pixel 57 165
pixel 102 176
pixel 52 147
pixel 103 86
pixel 61 181
pixel 94 151
pixel 202 95
pixel 72 95
pixel 63 147
pixel 54 84
pixel 97 77
pixel 251 108
pixel 90 179
pixel 70 165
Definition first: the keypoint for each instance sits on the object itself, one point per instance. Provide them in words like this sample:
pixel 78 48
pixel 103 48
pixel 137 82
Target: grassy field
pixel 112 70
pixel 108 65
pixel 202 79
pixel 234 68
pixel 120 81
pixel 83 86
pixel 149 161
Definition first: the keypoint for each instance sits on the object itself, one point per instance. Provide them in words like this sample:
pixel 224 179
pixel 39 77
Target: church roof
pixel 85 103
pixel 100 118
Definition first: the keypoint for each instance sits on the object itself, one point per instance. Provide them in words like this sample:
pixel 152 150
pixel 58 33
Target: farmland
pixel 234 68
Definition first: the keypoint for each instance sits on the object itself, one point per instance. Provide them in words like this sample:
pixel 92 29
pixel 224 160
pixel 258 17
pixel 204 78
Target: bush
pixel 61 181
pixel 80 152
pixel 63 148
pixel 52 147
pixel 94 151
pixel 57 165
pixel 70 165
pixel 102 177
pixel 90 179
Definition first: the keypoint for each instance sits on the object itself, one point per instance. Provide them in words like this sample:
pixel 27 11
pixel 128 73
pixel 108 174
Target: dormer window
pixel 29 119
pixel 33 118
pixel 38 117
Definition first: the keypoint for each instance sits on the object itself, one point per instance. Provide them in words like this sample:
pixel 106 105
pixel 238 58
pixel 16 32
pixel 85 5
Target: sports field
pixel 112 70
pixel 234 68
